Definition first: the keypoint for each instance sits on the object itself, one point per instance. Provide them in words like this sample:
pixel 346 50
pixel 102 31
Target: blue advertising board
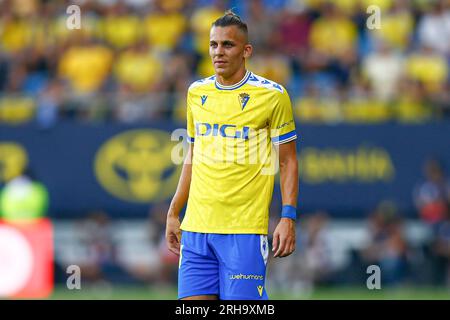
pixel 125 169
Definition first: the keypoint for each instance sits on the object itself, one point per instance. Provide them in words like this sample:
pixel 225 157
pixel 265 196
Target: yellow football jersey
pixel 233 129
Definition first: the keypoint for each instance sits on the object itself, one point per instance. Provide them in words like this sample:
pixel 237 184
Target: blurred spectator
pixel 333 35
pixel 428 67
pixel 132 107
pixel 86 65
pixel 434 28
pixel 96 238
pixel 3 71
pixel 432 197
pixel 148 259
pixel 397 26
pixel 333 40
pixel 201 21
pixel 387 246
pixel 165 26
pixel 119 27
pixel 318 108
pixel 316 264
pixel 139 252
pixel 139 69
pixel 440 102
pixel 16 77
pixel 361 105
pixel 260 29
pixel 48 105
pixel 100 263
pixel 441 252
pixel 16 33
pixel 294 29
pixel 415 106
pixel 311 264
pixel 24 198
pixel 271 65
pixel 177 72
pixel 37 70
pixel 16 109
pixel 383 68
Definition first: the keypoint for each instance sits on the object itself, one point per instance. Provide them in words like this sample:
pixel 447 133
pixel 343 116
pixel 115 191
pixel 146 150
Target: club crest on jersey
pixel 204 97
pixel 243 99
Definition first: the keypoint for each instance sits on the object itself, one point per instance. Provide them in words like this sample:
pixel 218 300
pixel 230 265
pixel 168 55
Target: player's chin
pixel 223 72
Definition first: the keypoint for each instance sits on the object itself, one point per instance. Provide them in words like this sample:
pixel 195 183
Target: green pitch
pixel 169 293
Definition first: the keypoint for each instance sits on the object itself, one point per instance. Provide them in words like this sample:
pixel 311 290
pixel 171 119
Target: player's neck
pixel 232 80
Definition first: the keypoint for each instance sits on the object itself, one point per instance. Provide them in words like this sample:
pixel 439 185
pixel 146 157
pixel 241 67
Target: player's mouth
pixel 220 62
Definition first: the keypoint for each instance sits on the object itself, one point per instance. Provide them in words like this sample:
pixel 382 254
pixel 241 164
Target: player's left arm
pixel 284 239
pixel 283 135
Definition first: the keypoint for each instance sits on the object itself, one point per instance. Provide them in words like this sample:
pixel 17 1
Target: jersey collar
pixel 236 85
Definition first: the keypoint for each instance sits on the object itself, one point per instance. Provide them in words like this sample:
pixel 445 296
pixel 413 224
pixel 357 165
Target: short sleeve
pixel 282 124
pixel 190 119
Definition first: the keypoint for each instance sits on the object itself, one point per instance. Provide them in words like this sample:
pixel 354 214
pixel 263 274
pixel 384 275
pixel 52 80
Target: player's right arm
pixel 173 232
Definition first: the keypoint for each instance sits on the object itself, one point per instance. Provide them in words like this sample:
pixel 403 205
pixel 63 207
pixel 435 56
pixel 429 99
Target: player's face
pixel 228 49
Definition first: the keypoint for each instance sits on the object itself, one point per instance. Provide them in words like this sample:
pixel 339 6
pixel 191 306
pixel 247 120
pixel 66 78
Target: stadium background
pixel 88 114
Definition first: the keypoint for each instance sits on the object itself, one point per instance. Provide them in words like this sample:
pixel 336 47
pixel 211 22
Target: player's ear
pixel 248 50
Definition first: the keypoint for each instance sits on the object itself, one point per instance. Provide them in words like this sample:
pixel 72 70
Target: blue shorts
pixel 231 266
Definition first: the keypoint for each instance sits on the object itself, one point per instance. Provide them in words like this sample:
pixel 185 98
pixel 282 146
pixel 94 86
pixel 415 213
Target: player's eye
pixel 213 44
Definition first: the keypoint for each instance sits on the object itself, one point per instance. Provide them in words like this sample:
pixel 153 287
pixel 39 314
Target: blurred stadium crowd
pixel 132 60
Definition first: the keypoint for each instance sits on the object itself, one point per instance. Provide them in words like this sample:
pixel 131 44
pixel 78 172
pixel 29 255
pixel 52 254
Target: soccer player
pixel 223 245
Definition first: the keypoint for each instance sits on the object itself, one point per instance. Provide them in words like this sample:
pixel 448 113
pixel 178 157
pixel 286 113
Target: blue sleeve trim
pixel 285 137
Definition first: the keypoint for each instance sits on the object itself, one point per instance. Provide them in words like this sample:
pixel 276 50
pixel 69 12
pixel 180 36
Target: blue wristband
pixel 289 212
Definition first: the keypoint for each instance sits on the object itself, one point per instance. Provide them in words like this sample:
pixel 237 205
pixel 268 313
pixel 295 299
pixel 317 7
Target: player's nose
pixel 218 51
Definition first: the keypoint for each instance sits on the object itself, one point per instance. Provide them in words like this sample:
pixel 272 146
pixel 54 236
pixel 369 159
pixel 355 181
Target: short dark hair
pixel 231 19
